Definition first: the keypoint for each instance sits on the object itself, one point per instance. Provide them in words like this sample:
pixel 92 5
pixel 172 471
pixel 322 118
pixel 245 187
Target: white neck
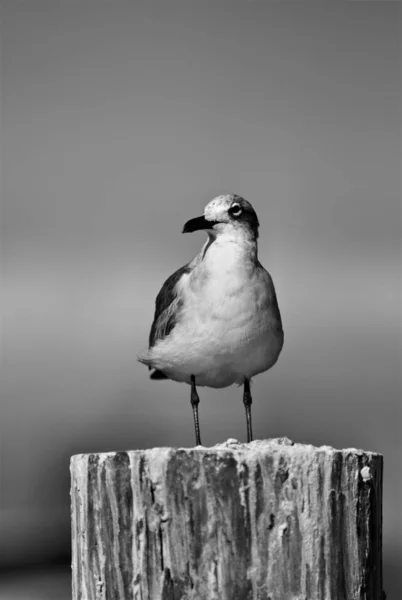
pixel 231 246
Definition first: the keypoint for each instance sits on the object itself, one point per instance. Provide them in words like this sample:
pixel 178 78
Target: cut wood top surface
pixel 256 447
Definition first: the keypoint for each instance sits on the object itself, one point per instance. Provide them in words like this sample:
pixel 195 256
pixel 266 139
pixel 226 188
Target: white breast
pixel 225 332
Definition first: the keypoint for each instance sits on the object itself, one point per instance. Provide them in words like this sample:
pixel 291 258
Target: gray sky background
pixel 120 121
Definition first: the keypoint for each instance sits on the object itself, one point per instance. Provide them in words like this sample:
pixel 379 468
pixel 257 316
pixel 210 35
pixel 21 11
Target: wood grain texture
pixel 269 520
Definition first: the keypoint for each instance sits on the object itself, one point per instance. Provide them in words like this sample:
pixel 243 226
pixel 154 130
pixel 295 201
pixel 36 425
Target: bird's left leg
pixel 247 400
pixel 194 403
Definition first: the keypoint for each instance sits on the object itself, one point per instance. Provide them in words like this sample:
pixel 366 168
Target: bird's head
pixel 228 213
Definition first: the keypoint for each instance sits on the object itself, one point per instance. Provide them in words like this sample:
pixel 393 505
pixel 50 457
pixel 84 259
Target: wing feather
pixel 167 306
pixel 272 300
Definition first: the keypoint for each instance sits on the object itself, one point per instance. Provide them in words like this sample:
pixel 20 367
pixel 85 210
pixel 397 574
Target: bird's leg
pixel 247 400
pixel 194 403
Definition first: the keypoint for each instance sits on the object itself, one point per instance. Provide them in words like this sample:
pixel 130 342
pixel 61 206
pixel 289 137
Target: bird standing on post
pixel 217 320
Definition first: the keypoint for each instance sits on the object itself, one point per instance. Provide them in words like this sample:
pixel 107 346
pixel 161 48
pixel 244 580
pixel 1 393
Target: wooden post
pixel 269 520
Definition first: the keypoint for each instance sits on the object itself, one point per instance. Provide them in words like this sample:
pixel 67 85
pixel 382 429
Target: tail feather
pixel 157 375
pixel 146 360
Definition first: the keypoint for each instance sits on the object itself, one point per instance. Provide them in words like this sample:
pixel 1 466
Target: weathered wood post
pixel 269 520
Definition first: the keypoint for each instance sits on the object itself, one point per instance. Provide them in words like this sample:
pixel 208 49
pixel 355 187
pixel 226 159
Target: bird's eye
pixel 235 210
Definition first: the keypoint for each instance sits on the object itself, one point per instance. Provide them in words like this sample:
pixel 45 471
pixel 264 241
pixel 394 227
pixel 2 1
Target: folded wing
pixel 167 309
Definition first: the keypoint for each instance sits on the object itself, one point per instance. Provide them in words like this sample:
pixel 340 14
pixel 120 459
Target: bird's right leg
pixel 247 400
pixel 194 403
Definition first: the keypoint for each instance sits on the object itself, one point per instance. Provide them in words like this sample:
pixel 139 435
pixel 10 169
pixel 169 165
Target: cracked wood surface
pixel 269 520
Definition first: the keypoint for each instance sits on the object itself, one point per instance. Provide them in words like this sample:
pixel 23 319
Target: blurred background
pixel 120 121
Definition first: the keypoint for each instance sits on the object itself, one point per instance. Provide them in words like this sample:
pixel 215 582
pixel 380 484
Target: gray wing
pixel 167 306
pixel 272 300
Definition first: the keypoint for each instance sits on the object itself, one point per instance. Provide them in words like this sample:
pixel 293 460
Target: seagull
pixel 217 320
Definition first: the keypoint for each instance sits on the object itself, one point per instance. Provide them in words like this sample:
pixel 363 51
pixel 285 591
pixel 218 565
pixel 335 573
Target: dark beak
pixel 197 224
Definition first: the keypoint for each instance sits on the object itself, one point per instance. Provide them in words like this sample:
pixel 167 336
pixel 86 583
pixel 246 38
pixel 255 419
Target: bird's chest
pixel 224 297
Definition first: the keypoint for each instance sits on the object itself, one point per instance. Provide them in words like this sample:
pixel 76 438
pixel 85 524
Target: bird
pixel 217 320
